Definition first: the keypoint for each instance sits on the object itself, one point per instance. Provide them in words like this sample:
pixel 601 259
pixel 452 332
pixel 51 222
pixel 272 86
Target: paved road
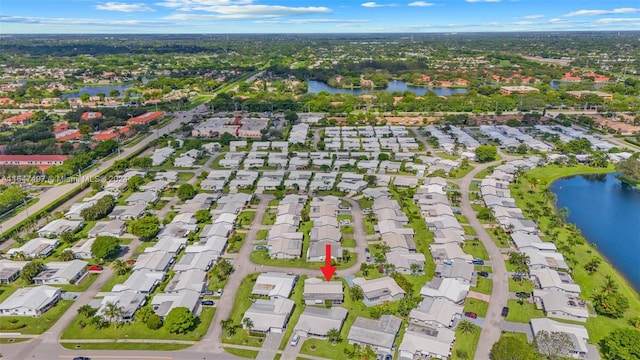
pixel 492 326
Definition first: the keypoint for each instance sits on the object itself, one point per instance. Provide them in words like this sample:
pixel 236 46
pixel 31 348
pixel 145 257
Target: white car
pixel 295 339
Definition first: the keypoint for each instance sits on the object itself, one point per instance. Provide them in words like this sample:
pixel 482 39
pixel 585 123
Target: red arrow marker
pixel 328 270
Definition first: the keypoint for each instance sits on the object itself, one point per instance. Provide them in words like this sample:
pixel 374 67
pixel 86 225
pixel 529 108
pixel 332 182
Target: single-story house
pixel 403 261
pixel 35 247
pixel 64 272
pixel 163 303
pixel 423 343
pixel 82 249
pixel 127 212
pixel 449 288
pixel 75 212
pixel 10 270
pixel 128 301
pixel 549 279
pixel 449 252
pixel 196 260
pixel 115 228
pixel 190 280
pixel 154 261
pixel 141 281
pixel 274 285
pixel 577 333
pixel 142 198
pixel 317 292
pixel 379 334
pixel 168 244
pixel 30 301
pixel 380 290
pixel 58 226
pixel 561 305
pixel 436 312
pixel 456 269
pixel 317 321
pixel 270 315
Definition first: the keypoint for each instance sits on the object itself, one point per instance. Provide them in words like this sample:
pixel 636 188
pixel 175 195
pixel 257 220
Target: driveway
pixel 523 328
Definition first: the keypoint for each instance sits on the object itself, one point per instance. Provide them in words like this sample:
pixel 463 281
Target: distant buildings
pixel 43 162
pixel 521 89
pixel 146 118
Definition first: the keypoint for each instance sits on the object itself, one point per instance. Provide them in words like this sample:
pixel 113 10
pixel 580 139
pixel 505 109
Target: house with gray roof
pixel 141 281
pixel 58 226
pixel 403 261
pixel 436 313
pixel 448 288
pixel 577 334
pixel 142 198
pixel 270 315
pixel 82 249
pixel 190 280
pixel 456 269
pixel 274 285
pixel 128 212
pixel 63 272
pixel 128 301
pixel 201 260
pixel 10 270
pixel 379 334
pixel 35 247
pixel 317 250
pixel 30 301
pixel 115 228
pixel 425 343
pixel 154 261
pixel 317 292
pixel 561 305
pixel 380 290
pixel 317 321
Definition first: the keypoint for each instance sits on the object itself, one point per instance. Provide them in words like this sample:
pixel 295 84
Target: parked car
pixel 207 292
pixel 96 268
pixel 218 292
pixel 523 294
pixel 478 262
pixel 471 314
pixel 295 339
pixel 483 273
pixel 81 358
pixel 505 311
pixel 207 302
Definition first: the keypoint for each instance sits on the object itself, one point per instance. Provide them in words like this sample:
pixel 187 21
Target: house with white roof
pixel 10 270
pixel 127 212
pixel 317 321
pixel 201 260
pixel 82 249
pixel 448 288
pixel 75 212
pixel 30 301
pixel 561 305
pixel 549 279
pixel 35 247
pixel 141 281
pixel 545 259
pixel 274 285
pixel 58 226
pixel 154 261
pixel 64 272
pixel 380 290
pixel 115 228
pixel 190 280
pixel 424 343
pixel 168 244
pixel 449 252
pixel 456 269
pixel 270 315
pixel 436 312
pixel 142 198
pixel 577 334
pixel 403 261
pixel 128 301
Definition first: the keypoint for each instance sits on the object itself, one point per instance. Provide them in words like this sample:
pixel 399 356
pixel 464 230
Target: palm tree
pixel 610 286
pixel 369 353
pixel 113 313
pixel 19 256
pixel 67 255
pixel 356 352
pixel 248 324
pixel 120 266
pixel 85 310
pixel 333 335
pixel 415 269
pixel 466 326
pixel 522 296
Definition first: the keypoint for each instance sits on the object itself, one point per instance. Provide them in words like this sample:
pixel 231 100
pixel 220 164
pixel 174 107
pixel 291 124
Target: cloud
pixel 240 12
pixel 187 5
pixel 123 7
pixel 421 4
pixel 83 21
pixel 617 20
pixel 602 12
pixel 371 4
pixel 475 1
pixel 312 21
pixel 534 16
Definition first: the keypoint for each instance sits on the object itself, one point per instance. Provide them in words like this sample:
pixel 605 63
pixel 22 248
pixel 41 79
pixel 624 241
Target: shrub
pixel 154 322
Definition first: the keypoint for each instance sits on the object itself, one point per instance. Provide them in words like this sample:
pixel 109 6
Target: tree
pixel 105 247
pixel 554 344
pixel 415 269
pixel 120 267
pixel 512 348
pixel 248 324
pixel 609 287
pixel 134 182
pixel 592 266
pixel 143 314
pixel 154 322
pixel 291 117
pixel 146 227
pixel 630 170
pixel 86 311
pixel 113 313
pixel 67 255
pixel 226 138
pixel 356 293
pixel 31 270
pixel 186 192
pixel 179 320
pixel 96 185
pixel 114 93
pixel 621 344
pixel 466 327
pixel 202 216
pixel 486 153
pixel 333 335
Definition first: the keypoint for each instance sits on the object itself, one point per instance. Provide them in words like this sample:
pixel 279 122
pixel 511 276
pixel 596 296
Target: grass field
pixel 249 354
pixel 477 306
pixel 123 346
pixel 34 325
pixel 522 313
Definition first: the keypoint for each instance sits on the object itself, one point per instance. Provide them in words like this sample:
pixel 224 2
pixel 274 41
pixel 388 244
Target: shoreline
pixel 592 244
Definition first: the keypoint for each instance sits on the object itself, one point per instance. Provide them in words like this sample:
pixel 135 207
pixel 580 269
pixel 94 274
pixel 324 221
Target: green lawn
pixel 477 306
pixel 262 234
pixel 82 286
pixel 269 218
pixel 296 296
pixel 246 217
pixel 235 246
pixel 577 255
pixel 34 325
pixel 274 202
pixel 469 230
pixel 185 176
pixel 484 286
pixel 483 173
pixel 241 304
pixel 137 330
pixel 522 313
pixel 465 345
pixel 250 354
pixel 369 227
pixel 261 257
pixel 459 173
pixel 115 279
pixel 348 242
pixel 365 203
pixel 476 249
pixel 123 346
pixel 516 286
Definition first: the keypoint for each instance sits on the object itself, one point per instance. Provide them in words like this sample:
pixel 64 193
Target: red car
pixel 470 314
pixel 130 261
pixel 95 268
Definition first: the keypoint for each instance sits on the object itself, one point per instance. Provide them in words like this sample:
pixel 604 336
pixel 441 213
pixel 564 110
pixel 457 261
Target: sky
pixel 317 16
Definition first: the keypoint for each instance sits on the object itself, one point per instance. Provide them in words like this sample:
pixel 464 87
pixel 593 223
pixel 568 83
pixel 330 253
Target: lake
pixel 608 214
pixel 102 89
pixel 315 87
pixel 555 84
